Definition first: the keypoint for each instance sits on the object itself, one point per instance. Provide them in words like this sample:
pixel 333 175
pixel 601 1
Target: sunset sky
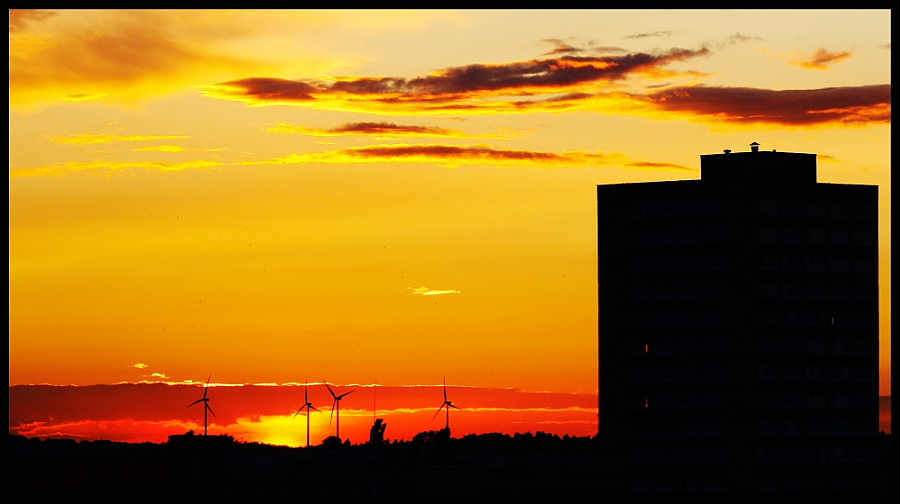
pixel 377 197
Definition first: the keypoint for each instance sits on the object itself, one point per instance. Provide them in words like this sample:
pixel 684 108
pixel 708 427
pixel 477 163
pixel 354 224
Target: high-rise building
pixel 739 329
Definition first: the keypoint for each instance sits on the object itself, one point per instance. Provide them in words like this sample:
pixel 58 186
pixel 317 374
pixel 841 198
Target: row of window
pixel 690 372
pixel 816 454
pixel 781 400
pixel 798 290
pixel 817 209
pixel 677 207
pixel 671 234
pixel 678 262
pixel 677 455
pixel 680 345
pixel 678 290
pixel 685 317
pixel 818 318
pixel 678 401
pixel 779 481
pixel 653 481
pixel 816 236
pixel 816 427
pixel 837 264
pixel 678 428
pixel 798 372
pixel 816 345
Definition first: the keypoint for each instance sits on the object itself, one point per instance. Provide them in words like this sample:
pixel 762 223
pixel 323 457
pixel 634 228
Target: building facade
pixel 739 329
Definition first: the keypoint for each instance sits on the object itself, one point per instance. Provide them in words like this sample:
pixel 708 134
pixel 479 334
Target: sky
pixel 388 198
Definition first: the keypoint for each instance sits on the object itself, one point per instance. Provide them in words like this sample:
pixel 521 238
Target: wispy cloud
pixel 425 291
pixel 173 148
pixel 665 33
pixel 456 155
pixel 19 19
pixel 381 130
pixel 739 37
pixel 104 138
pixel 852 105
pixel 139 365
pixel 498 88
pixel 821 59
pixel 99 166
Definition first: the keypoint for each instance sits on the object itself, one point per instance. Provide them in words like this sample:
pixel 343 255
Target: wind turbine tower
pixel 446 404
pixel 308 406
pixel 206 408
pixel 337 403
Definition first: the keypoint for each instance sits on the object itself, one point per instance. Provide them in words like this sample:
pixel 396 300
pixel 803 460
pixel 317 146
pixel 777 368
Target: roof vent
pixel 727 151
pixel 754 147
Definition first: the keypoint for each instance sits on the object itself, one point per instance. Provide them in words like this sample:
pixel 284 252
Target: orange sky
pixel 388 197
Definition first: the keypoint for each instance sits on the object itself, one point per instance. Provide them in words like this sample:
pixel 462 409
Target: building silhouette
pixel 739 329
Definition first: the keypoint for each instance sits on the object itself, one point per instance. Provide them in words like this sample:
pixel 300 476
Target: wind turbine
pixel 308 405
pixel 206 407
pixel 448 404
pixel 337 402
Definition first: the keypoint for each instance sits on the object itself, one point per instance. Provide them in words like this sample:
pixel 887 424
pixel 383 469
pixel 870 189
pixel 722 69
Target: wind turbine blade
pixel 445 390
pixel 332 412
pixel 210 410
pixel 452 406
pixel 298 412
pixel 313 407
pixel 206 389
pixel 345 393
pixel 195 402
pixel 438 413
pixel 329 389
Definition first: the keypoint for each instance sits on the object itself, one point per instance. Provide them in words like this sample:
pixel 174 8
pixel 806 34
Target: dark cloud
pixel 560 47
pixel 795 107
pixel 382 128
pixel 649 165
pixel 19 19
pixel 609 50
pixel 651 34
pixel 739 37
pixel 455 83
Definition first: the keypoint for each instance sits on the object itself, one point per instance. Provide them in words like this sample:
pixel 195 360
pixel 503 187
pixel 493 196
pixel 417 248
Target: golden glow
pixel 103 138
pixel 167 208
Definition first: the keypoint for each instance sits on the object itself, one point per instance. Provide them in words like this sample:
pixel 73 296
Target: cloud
pixel 821 59
pixel 559 47
pixel 452 155
pixel 739 37
pixel 124 56
pixel 456 155
pixel 173 148
pixel 381 130
pixel 467 89
pixel 139 365
pixel 19 19
pixel 425 291
pixel 139 412
pixel 89 166
pixel 848 106
pixel 651 34
pixel 102 138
